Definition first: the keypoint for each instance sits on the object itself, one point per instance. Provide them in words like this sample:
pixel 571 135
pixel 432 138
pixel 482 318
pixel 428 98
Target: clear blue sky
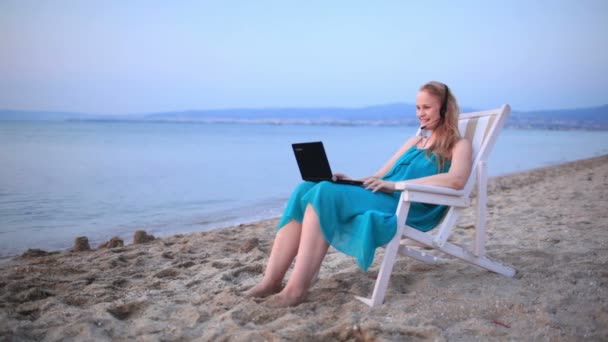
pixel 149 56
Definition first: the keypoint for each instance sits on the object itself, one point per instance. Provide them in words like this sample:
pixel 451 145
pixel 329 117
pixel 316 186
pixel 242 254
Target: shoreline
pixel 549 223
pixel 492 181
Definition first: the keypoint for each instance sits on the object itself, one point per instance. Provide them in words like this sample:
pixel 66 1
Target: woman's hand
pixel 376 184
pixel 340 176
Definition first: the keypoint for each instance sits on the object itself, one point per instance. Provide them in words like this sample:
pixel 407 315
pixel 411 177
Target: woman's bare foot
pixel 285 299
pixel 262 290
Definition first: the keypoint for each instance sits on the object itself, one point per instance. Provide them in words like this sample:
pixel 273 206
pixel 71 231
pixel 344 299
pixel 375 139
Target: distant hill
pixel 20 115
pixel 380 113
pixel 402 112
pixel 388 114
pixel 583 118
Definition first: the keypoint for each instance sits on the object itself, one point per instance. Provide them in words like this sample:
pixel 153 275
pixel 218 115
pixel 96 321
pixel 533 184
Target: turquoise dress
pixel 356 221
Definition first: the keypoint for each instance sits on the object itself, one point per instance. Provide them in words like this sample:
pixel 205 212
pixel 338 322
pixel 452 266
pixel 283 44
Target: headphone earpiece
pixel 444 104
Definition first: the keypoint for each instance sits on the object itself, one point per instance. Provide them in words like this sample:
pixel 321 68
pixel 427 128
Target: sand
pixel 551 224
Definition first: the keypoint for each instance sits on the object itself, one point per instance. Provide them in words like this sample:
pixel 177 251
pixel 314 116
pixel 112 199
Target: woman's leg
pixel 285 246
pixel 312 250
pixel 284 250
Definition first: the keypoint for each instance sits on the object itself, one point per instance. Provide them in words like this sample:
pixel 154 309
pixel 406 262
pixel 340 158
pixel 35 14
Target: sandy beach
pixel 551 224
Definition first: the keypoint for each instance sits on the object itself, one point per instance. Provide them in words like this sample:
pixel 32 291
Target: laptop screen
pixel 312 161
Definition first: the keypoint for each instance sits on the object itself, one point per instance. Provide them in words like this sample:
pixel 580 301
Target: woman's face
pixel 427 109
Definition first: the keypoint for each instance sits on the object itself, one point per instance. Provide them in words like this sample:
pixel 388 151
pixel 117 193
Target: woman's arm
pixel 459 171
pixel 455 178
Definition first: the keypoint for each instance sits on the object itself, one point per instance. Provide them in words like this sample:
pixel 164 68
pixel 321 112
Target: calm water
pixel 59 180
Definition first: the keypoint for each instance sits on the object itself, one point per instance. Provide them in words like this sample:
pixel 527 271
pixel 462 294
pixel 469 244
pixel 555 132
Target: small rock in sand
pixel 34 253
pixel 142 237
pixel 113 243
pixel 81 244
pixel 249 245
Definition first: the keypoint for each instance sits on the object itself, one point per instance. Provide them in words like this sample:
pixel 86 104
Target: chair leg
pixel 479 243
pixel 420 255
pixel 461 252
pixel 390 255
pixel 483 262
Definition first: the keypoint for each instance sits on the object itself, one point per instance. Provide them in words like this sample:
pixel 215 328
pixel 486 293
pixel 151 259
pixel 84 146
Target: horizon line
pixel 278 108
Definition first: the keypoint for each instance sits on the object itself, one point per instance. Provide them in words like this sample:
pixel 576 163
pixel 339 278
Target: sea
pixel 100 179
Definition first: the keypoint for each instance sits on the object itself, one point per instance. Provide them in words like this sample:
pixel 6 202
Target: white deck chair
pixel 481 128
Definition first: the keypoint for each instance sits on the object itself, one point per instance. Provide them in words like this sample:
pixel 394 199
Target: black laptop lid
pixel 312 161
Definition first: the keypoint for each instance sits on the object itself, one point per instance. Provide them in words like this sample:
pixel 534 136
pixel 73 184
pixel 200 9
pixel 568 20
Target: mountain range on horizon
pixel 577 118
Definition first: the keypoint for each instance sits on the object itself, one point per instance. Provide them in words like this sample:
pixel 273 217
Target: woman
pixel 357 220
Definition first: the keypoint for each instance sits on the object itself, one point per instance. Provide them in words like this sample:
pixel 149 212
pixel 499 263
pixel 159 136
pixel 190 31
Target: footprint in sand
pixel 183 264
pixel 126 311
pixel 223 265
pixel 372 332
pixel 167 273
pixel 34 295
pixel 243 273
pixel 258 315
pixel 28 313
pixel 407 283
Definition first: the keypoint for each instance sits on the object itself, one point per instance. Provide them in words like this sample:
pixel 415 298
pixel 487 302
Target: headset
pixel 444 104
pixel 444 107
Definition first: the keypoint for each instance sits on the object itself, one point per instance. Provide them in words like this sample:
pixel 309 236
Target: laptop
pixel 313 163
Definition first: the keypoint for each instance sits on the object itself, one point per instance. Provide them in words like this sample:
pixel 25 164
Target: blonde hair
pixel 446 133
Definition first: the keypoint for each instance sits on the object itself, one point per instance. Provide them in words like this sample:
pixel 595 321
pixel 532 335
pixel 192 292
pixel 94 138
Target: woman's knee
pixel 303 188
pixel 328 191
pixel 326 186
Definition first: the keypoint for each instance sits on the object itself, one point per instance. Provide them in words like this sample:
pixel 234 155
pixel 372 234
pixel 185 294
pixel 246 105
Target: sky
pixel 129 57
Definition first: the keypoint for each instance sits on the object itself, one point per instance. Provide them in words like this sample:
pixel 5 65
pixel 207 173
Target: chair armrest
pixel 432 195
pixel 403 186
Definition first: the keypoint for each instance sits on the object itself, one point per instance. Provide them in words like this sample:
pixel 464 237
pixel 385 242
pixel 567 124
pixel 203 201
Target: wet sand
pixel 551 224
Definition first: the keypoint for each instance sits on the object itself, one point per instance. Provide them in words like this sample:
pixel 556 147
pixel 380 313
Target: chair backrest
pixel 481 129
